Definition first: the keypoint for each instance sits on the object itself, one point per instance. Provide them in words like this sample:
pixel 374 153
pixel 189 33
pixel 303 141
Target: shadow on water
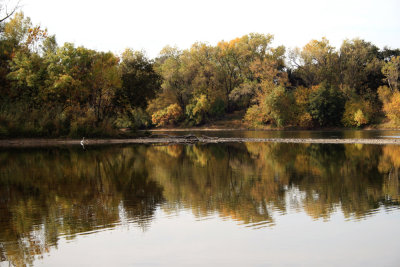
pixel 49 193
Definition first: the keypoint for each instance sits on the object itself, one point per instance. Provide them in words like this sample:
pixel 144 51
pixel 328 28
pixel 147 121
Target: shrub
pixel 275 106
pixel 170 115
pixel 305 120
pixel 357 113
pixel 279 106
pixel 360 118
pixel 255 115
pixel 218 108
pixel 135 118
pixel 197 111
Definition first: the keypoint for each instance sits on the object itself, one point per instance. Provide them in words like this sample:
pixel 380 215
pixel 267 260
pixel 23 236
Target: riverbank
pixel 235 122
pixel 190 140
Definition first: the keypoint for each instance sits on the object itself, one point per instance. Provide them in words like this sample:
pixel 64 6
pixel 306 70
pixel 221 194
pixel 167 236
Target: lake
pixel 235 204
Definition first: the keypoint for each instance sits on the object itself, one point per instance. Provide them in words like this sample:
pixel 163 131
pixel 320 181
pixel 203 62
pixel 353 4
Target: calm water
pixel 246 204
pixel 359 134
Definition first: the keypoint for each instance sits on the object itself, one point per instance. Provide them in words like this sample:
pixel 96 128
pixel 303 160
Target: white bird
pixel 83 142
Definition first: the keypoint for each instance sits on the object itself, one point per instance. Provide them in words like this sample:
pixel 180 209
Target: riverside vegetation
pixel 48 90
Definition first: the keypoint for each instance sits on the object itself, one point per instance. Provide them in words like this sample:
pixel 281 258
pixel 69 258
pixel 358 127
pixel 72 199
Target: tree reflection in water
pixel 53 192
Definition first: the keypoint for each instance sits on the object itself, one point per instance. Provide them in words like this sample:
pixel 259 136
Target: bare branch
pixel 9 14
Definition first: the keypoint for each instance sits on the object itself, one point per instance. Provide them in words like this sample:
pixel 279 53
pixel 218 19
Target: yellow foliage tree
pixel 167 116
pixel 301 96
pixel 392 108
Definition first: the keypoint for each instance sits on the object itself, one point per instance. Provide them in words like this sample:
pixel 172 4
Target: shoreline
pixel 30 142
pixel 262 130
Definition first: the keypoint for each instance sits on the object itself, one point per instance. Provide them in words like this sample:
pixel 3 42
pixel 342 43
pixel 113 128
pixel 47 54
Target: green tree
pixel 140 82
pixel 360 67
pixel 70 75
pixel 13 34
pixel 28 75
pixel 176 80
pixel 326 105
pixel 105 83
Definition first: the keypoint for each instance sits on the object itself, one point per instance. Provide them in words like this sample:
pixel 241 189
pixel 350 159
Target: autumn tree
pixel 316 62
pixel 176 79
pixel 274 105
pixel 389 94
pixel 187 75
pixel 239 60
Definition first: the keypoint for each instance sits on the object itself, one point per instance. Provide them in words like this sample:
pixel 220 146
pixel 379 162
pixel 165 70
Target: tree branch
pixel 8 15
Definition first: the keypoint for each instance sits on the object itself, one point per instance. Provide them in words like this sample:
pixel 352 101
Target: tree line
pixel 52 90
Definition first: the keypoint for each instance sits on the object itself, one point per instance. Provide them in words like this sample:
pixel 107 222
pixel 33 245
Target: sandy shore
pixel 189 140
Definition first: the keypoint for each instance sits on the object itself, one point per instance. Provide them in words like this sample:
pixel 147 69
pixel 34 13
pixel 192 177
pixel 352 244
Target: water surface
pixel 258 204
pixel 316 134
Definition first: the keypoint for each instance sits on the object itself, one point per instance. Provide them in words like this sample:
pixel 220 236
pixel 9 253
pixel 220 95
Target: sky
pixel 150 25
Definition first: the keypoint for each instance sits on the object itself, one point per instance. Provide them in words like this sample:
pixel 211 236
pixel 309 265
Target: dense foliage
pixel 52 90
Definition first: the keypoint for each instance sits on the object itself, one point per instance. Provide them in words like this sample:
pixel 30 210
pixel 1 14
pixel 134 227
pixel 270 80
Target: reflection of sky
pixel 295 240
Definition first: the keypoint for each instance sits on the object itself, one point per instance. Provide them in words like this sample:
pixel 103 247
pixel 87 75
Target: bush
pixel 305 120
pixel 197 112
pixel 360 118
pixel 20 120
pixel 218 108
pixel 170 115
pixel 255 116
pixel 275 106
pixel 82 123
pixel 279 106
pixel 357 113
pixel 135 118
